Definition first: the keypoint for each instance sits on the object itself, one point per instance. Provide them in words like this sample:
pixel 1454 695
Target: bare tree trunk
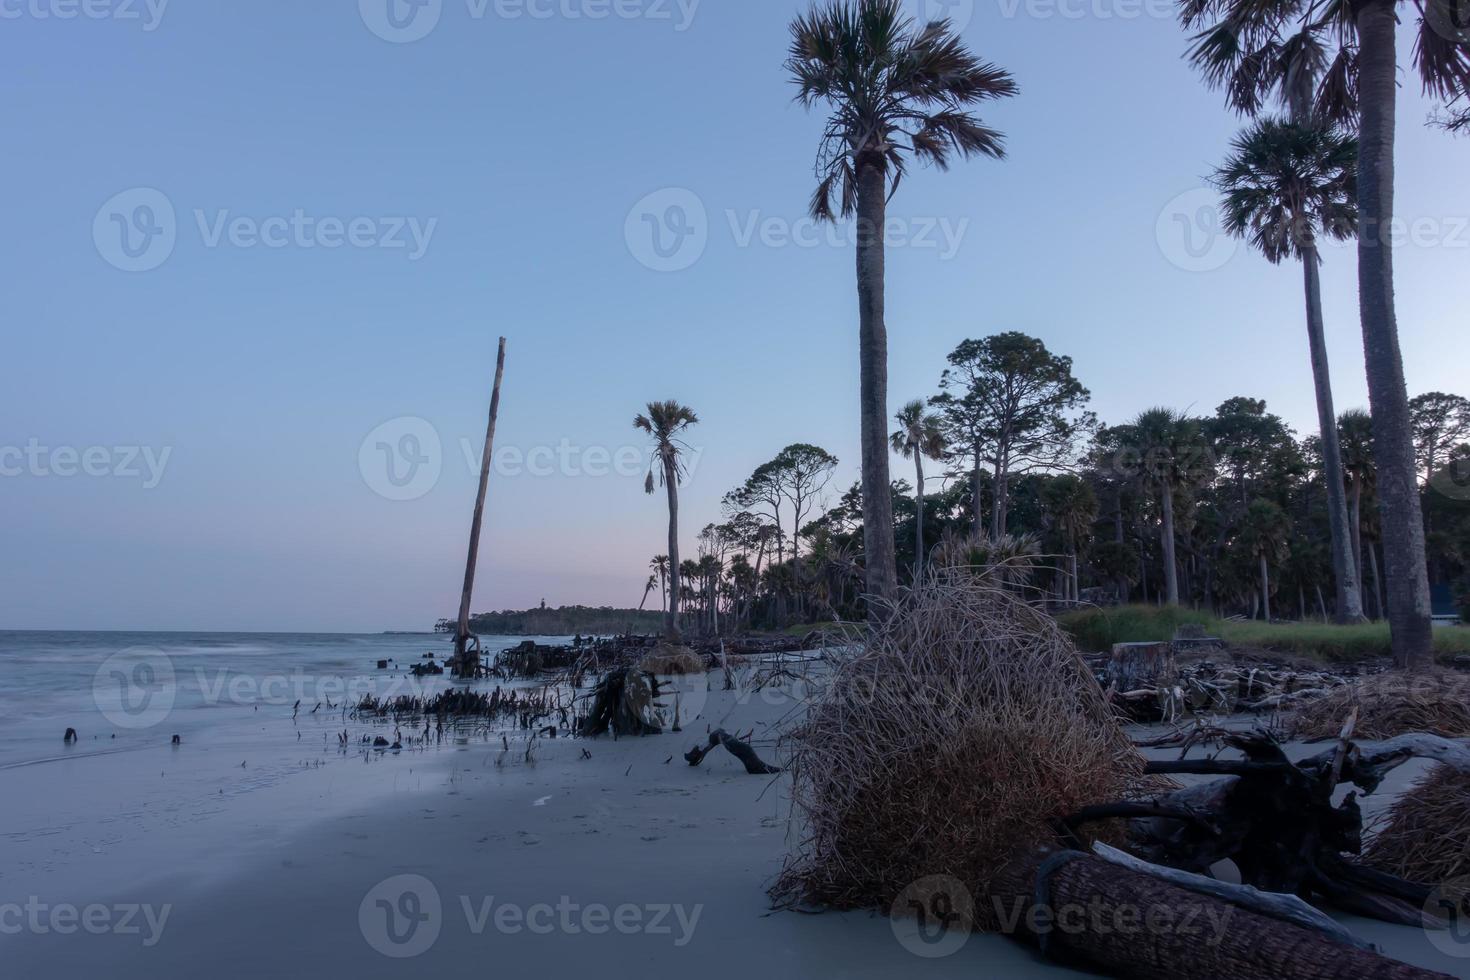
pixel 918 516
pixel 975 497
pixel 462 635
pixel 672 632
pixel 1171 569
pixel 878 548
pixel 1355 517
pixel 1265 588
pixel 1393 441
pixel 1349 591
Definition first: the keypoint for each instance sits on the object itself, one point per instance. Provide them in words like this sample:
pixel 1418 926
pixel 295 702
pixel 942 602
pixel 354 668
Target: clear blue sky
pixel 519 146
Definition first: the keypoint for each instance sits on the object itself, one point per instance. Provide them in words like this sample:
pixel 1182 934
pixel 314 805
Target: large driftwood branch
pixel 739 749
pixel 1288 908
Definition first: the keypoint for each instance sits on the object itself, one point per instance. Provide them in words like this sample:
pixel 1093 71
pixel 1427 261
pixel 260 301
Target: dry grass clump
pixel 946 747
pixel 1391 704
pixel 666 659
pixel 1425 836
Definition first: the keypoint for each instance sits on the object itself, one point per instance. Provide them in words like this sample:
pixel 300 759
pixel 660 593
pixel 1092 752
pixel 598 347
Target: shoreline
pixel 281 884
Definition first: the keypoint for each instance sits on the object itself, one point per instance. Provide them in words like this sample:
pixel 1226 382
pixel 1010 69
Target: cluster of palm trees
pixel 898 91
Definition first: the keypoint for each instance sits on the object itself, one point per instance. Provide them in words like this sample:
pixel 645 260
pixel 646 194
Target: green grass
pixel 1099 629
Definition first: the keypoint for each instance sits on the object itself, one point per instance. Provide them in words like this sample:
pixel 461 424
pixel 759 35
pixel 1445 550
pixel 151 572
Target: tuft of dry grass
pixel 1391 704
pixel 947 746
pixel 1425 836
pixel 666 659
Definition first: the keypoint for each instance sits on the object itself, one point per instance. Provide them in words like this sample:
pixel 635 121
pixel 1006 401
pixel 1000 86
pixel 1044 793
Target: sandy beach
pixel 441 860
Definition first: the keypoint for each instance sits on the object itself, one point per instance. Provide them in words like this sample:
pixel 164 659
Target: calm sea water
pixel 126 689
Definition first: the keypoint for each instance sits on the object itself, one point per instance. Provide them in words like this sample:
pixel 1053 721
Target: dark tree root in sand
pixel 1095 913
pixel 622 703
pixel 1276 820
pixel 739 749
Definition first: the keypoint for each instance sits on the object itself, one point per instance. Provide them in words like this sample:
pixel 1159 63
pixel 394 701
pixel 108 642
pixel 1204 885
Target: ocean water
pixel 123 802
pixel 128 690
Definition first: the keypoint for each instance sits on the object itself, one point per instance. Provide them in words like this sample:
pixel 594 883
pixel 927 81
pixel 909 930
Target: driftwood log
pixel 738 748
pixel 1088 911
pixel 1276 820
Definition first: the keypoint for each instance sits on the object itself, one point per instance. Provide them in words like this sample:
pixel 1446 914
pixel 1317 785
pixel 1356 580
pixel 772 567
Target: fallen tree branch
pixel 739 749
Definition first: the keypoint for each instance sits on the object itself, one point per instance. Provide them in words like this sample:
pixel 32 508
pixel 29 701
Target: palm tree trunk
pixel 878 549
pixel 1171 569
pixel 671 618
pixel 1355 519
pixel 1349 592
pixel 462 632
pixel 918 516
pixel 1393 442
pixel 1265 588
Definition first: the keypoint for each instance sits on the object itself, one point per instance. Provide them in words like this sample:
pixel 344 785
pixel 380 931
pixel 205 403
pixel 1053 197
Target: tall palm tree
pixel 1168 446
pixel 1286 49
pixel 664 421
pixel 895 90
pixel 1355 437
pixel 1286 183
pixel 1265 531
pixel 920 433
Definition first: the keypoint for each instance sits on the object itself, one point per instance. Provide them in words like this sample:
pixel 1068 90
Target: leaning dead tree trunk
pixel 1082 909
pixel 466 662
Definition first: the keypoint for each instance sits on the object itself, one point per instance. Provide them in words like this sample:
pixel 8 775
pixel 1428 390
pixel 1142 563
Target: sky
pixel 259 255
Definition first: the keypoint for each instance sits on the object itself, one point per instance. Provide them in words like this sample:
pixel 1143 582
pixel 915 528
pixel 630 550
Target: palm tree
pixel 1168 447
pixel 919 434
pixel 1265 532
pixel 664 421
pixel 895 90
pixel 1355 437
pixel 1073 507
pixel 648 587
pixel 1285 49
pixel 660 566
pixel 1284 184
